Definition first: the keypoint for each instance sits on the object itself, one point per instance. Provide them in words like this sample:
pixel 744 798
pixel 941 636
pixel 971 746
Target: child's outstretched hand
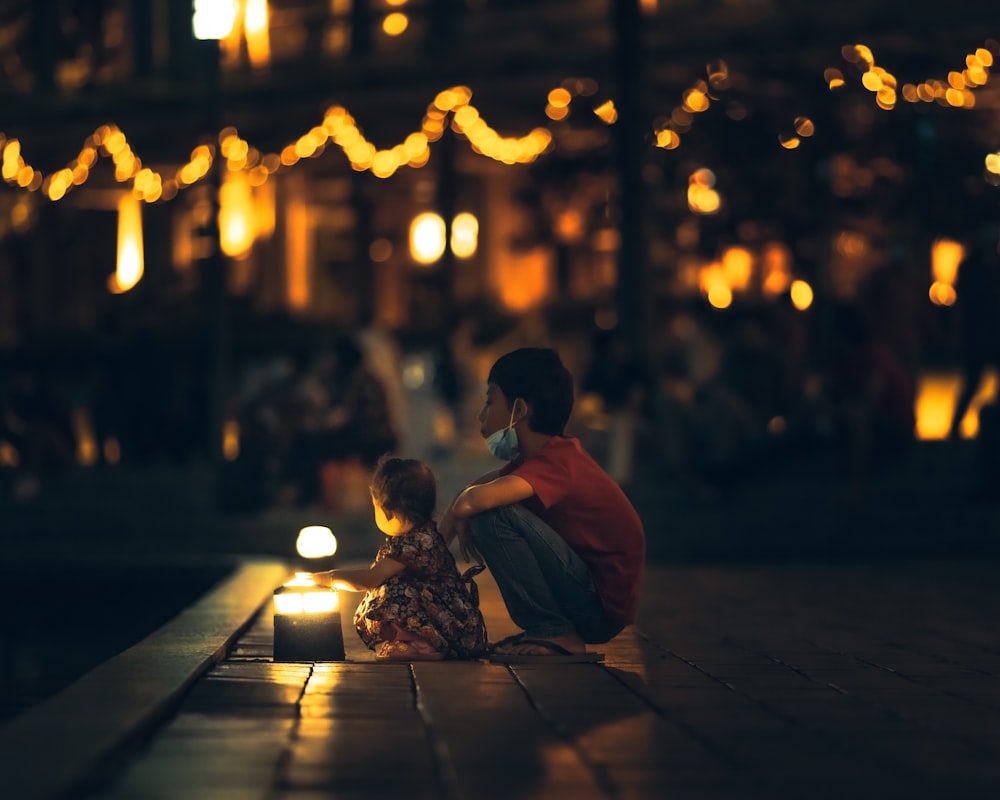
pixel 323 578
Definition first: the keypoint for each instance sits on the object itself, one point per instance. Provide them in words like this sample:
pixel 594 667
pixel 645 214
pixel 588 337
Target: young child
pixel 416 605
pixel 560 537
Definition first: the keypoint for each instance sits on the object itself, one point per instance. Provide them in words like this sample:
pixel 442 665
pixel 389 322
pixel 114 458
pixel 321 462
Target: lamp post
pixel 211 21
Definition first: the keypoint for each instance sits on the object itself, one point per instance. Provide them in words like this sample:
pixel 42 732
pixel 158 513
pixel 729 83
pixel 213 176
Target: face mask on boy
pixel 503 443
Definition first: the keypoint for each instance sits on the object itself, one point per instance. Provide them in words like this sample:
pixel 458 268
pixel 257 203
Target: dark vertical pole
pixel 44 26
pixel 142 38
pixel 214 300
pixel 446 207
pixel 442 27
pixel 361 29
pixel 628 141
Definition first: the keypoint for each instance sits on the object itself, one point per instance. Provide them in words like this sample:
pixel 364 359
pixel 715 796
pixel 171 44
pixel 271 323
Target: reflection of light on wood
pixel 129 269
pixel 937 393
pixel 231 440
pixel 525 281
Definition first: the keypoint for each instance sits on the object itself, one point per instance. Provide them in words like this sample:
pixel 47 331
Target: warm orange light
pixel 301 595
pixel 464 235
pixel 297 253
pixel 316 541
pixel 935 403
pixel 231 440
pixel 236 216
pixel 86 444
pixel 942 294
pixel 427 241
pixel 737 265
pixel 395 23
pixel 9 457
pixel 946 255
pixel 525 282
pixel 130 252
pixel 255 26
pixel 801 294
pixel 776 261
pixel 213 19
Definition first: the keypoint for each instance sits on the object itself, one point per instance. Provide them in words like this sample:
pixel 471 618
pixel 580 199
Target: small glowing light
pixel 737 266
pixel 668 139
pixel 236 215
pixel 231 440
pixel 606 112
pixel 464 235
pixel 395 23
pixel 946 256
pixel 720 296
pixel 801 294
pixel 257 35
pixel 942 294
pixel 316 541
pixel 8 454
pixel 427 238
pixel 130 251
pixel 559 98
pixel 213 19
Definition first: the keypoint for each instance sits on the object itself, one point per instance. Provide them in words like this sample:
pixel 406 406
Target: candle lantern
pixel 307 622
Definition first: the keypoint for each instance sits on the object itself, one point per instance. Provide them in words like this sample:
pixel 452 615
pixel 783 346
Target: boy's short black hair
pixel 536 374
pixel 406 487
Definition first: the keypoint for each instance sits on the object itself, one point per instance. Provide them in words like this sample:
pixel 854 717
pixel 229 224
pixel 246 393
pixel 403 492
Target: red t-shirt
pixel 584 505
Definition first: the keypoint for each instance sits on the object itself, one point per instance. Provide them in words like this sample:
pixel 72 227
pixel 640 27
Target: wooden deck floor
pixel 793 681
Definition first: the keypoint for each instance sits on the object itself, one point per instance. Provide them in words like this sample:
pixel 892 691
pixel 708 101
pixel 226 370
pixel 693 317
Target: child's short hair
pixel 537 374
pixel 405 486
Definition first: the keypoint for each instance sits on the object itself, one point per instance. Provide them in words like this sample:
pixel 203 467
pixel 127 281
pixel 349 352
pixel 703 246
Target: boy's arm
pixel 478 497
pixel 502 491
pixel 448 524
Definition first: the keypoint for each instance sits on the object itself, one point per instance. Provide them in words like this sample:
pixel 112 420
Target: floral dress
pixel 428 599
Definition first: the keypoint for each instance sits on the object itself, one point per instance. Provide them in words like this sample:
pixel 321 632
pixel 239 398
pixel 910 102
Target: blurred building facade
pixel 615 157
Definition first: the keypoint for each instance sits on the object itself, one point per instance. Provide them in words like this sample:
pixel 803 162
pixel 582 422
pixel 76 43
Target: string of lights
pixel 340 128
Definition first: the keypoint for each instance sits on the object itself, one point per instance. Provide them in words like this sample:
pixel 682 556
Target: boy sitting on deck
pixel 563 542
